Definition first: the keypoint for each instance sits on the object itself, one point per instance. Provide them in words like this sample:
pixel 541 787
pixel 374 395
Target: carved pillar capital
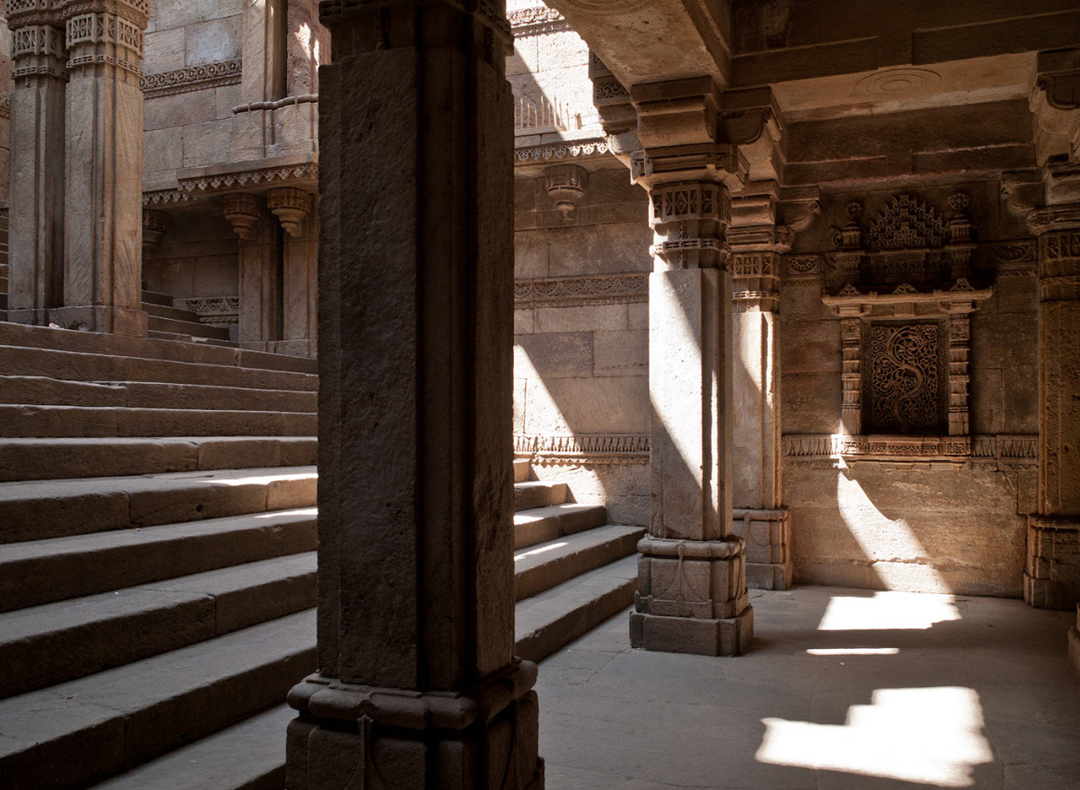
pixel 757 241
pixel 38 48
pixel 107 33
pixel 242 209
pixel 689 219
pixel 290 206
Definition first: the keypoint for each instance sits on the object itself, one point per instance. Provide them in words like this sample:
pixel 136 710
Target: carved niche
pixel 905 302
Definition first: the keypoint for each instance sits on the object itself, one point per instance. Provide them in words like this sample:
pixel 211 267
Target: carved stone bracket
pixel 290 206
pixel 565 184
pixel 154 226
pixel 243 211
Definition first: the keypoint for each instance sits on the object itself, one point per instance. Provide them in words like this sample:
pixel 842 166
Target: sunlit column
pixel 691 594
pixel 418 686
pixel 103 182
pixel 759 518
pixel 39 69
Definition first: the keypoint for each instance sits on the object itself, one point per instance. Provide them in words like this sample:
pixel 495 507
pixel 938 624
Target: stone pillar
pixel 1052 576
pixel 260 270
pixel 298 214
pixel 691 595
pixel 103 183
pixel 759 517
pixel 418 686
pixel 36 249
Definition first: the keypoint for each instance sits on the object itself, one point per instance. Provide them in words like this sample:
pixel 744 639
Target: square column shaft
pixel 691 574
pixel 1052 576
pixel 36 228
pixel 103 186
pixel 418 686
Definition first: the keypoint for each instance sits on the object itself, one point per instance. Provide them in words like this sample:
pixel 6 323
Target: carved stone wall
pixel 909 405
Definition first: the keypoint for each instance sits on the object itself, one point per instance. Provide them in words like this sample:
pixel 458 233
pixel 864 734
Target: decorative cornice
pixel 306 173
pixel 213 310
pixel 1003 452
pixel 581 291
pixel 536 20
pixel 584 449
pixel 557 151
pixel 194 78
pixel 166 197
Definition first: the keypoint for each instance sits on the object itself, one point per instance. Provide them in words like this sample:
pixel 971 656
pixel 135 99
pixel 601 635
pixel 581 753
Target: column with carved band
pixel 692 595
pixel 1052 576
pixel 103 186
pixel 418 686
pixel 759 518
pixel 39 69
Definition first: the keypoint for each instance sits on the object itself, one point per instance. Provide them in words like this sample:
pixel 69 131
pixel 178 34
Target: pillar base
pixel 727 637
pixel 362 737
pixel 767 534
pixel 691 597
pixel 1052 575
pixel 101 318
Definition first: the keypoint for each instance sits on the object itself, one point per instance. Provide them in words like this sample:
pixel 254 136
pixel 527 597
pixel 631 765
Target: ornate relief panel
pixel 904 301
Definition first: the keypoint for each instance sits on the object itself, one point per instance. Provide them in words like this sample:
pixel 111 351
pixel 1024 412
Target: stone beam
pixel 643 41
pixel 418 686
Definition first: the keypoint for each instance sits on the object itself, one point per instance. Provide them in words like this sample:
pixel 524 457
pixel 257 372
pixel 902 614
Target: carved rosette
pixel 290 206
pixel 243 211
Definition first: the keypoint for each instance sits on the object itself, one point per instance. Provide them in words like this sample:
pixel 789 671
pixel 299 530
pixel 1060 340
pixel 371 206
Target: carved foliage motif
pixel 581 449
pixel 907 223
pixel 904 377
pixel 209 75
pixel 574 291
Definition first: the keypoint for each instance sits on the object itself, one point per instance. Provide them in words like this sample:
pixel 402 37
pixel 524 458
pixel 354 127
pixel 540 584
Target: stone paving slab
pixel 948 692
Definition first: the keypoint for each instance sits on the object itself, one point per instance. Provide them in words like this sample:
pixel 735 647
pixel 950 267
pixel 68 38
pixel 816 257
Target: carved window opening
pixel 905 303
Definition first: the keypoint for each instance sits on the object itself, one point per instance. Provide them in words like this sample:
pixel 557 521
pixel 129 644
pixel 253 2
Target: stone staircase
pixel 165 322
pixel 157 561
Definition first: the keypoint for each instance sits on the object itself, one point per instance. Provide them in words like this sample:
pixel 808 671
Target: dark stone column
pixel 418 686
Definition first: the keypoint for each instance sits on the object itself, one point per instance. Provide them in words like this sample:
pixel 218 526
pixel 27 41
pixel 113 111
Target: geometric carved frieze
pixel 584 449
pixel 906 223
pixel 581 149
pixel 536 20
pixel 212 310
pixel 193 78
pixel 1003 452
pixel 581 291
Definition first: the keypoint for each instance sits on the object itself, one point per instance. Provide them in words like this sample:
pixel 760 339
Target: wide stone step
pixel 247 756
pixel 156 298
pixel 70 735
pixel 548 523
pixel 51 459
pixel 542 567
pixel 125 347
pixel 163 310
pixel 44 645
pixel 179 337
pixel 538 494
pixel 20 421
pixel 558 616
pixel 43 571
pixel 184 327
pixel 58 508
pixel 45 391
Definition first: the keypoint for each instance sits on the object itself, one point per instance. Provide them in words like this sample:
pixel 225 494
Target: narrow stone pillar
pixel 759 518
pixel 691 594
pixel 298 214
pixel 36 248
pixel 103 184
pixel 260 270
pixel 418 686
pixel 1052 576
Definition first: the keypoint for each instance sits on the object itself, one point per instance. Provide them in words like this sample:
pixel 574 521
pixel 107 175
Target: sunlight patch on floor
pixel 887 611
pixel 930 736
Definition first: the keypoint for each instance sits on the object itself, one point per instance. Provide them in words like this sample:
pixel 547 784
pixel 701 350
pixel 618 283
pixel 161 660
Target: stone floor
pixel 842 689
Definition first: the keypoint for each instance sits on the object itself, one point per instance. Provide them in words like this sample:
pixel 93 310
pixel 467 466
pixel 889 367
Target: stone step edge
pixel 252 668
pixel 539 525
pixel 72 567
pixel 550 564
pixel 54 643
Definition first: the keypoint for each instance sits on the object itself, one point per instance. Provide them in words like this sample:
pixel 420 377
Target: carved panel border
pixel 194 78
pixel 1002 452
pixel 586 449
pixel 213 310
pixel 536 20
pixel 581 291
pixel 580 149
